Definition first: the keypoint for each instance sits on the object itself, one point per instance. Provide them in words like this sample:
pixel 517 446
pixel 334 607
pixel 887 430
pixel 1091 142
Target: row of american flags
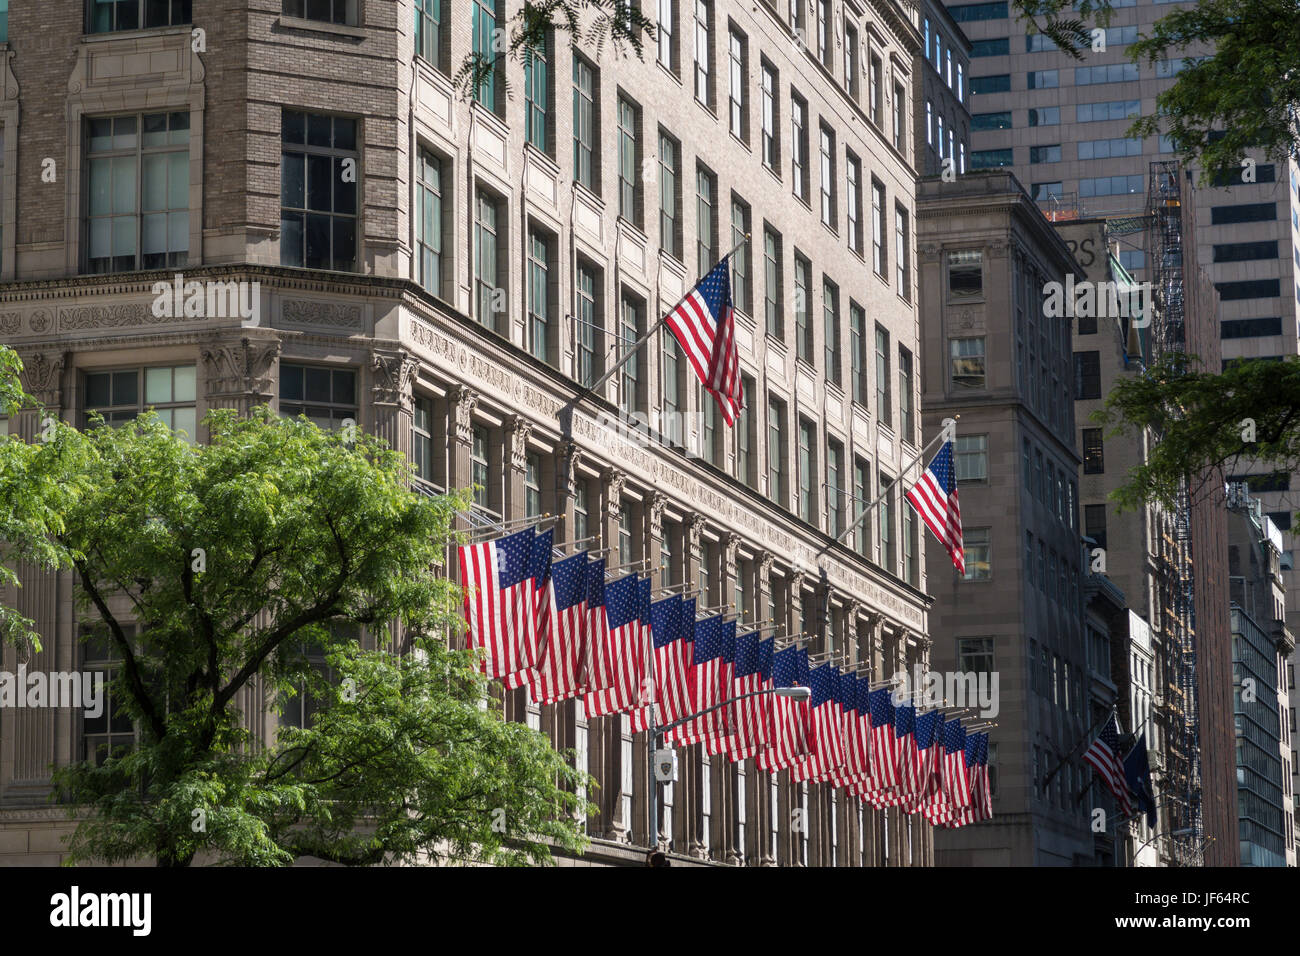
pixel 557 627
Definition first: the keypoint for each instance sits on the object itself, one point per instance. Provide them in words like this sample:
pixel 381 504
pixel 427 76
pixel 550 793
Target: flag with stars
pixel 826 737
pixel 956 778
pixel 557 675
pixel 843 775
pixel 672 660
pixel 1103 756
pixel 788 729
pixel 641 659
pixel 595 667
pixel 704 324
pixel 934 497
pixel 706 688
pixel 499 609
pixel 747 677
pixel 928 750
pixel 722 728
pixel 622 614
pixel 687 655
pixel 539 571
pixel 884 743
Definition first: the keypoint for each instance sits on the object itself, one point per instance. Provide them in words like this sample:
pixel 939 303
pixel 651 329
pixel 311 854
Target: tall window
pixel 318 191
pixel 911 547
pixel 903 260
pixel 667 35
pixel 737 98
pixel 861 498
pixel 670 240
pixel 489 295
pixel 112 733
pixel 807 471
pixel 703 43
pixel 967 362
pixel 138 213
pixel 824 32
pixel 768 80
pixel 900 103
pixel 888 537
pixel 741 296
pixel 480 471
pixel 799 146
pixel 971 457
pixel 428 31
pixel 831 330
pixel 834 488
pixel 584 119
pixel 1087 375
pixel 108 16
pixel 327 396
pixel 706 220
pixel 802 294
pixel 875 91
pixel 879 260
pixel 966 274
pixel 422 438
pixel 853 173
pixel 745 436
pixel 539 293
pixel 537 95
pixel 772 278
pixel 629 332
pixel 828 176
pixel 484 16
pixel 1094 457
pixel 428 224
pixel 884 407
pixel 532 485
pixel 122 395
pixel 777 488
pixel 858 353
pixel 906 407
pixel 851 60
pixel 628 162
pixel 587 324
pixel 929 123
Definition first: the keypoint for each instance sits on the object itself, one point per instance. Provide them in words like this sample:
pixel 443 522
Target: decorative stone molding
pixel 110 317
pixel 11 322
pixel 695 533
pixel 464 399
pixel 394 377
pixel 572 459
pixel 42 376
pixel 519 429
pixel 242 368
pixel 658 501
pixel 315 315
pixel 615 480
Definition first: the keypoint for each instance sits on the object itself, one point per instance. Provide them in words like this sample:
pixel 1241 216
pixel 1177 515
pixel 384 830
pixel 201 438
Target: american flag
pixel 753 672
pixel 622 616
pixel 595 668
pixel 844 774
pixel 539 570
pixel 706 687
pixel 884 743
pixel 860 752
pixel 938 809
pixel 970 763
pixel 558 675
pixel 687 655
pixel 721 729
pixel 641 659
pixel 981 792
pixel 672 660
pixel 928 752
pixel 1103 755
pixel 825 739
pixel 788 732
pixel 909 758
pixel 956 778
pixel 705 326
pixel 499 610
pixel 934 497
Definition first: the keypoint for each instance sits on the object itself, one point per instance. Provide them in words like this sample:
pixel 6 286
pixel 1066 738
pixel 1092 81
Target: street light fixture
pixel 656 734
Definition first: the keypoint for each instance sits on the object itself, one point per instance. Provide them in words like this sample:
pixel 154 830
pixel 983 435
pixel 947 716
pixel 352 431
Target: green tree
pixel 1245 419
pixel 249 565
pixel 1239 88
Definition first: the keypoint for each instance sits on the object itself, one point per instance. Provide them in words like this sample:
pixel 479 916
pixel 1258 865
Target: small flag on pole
pixel 934 497
pixel 705 327
pixel 1103 756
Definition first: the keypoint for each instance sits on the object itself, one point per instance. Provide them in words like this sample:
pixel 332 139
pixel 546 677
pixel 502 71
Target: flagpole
pixel 1085 739
pixel 588 389
pixel 948 432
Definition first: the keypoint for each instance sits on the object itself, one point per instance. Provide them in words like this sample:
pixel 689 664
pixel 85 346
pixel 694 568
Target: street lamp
pixel 656 733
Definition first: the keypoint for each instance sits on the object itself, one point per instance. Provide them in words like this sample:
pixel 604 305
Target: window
pixel 769 78
pixel 122 395
pixel 706 237
pixel 429 222
pixel 584 119
pixel 738 99
pixel 582 513
pixel 1087 375
pixel 1249 289
pixel 1110 73
pixel 824 32
pixel 888 556
pixel 1115 110
pixel 799 145
pixel 966 274
pixel 853 173
pixel 1111 185
pixel 588 351
pixel 911 547
pixel 967 362
pixel 1094 460
pixel 1043 79
pixel 480 472
pixel 327 11
pixel 884 408
pixel 1046 154
pixel 831 330
pixel 858 353
pixel 1039 43
pixel 999 46
pixel 428 31
pixel 988 121
pixel 112 733
pixel 1245 212
pixel 489 294
pixel 999 83
pixel 485 16
pixel 851 60
pixel 972 457
pixel 629 162
pixel 108 16
pixel 138 208
pixel 879 260
pixel 906 397
pixel 929 123
pixel 990 158
pixel 1045 191
pixel 900 110
pixel 938 127
pixel 875 92
pixel 975 655
pixel 670 239
pixel 827 139
pixel 667 35
pixel 1094 523
pixel 318 202
pixel 902 259
pixel 537 96
pixel 1245 251
pixel 1045 116
pixel 861 498
pixel 802 296
pixel 772 281
pixel 745 435
pixel 834 488
pixel 630 331
pixel 327 396
pixel 741 294
pixel 532 485
pixel 422 438
pixel 670 390
pixel 961 84
pixel 1249 328
pixel 539 293
pixel 777 488
pixel 969 12
pixel 703 41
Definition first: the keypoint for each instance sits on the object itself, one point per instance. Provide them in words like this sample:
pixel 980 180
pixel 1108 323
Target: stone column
pixel 725 778
pixel 461 400
pixel 606 733
pixel 652 535
pixel 239 372
pixel 690 791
